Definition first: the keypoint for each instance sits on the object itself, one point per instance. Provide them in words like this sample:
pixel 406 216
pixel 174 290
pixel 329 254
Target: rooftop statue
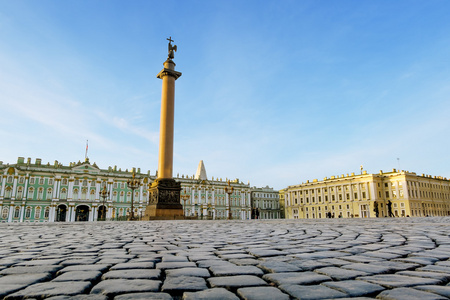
pixel 171 48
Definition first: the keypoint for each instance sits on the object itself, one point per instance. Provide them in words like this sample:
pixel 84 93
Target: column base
pixel 164 201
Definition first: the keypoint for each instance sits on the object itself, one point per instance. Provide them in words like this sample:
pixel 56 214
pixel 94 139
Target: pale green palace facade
pixel 37 192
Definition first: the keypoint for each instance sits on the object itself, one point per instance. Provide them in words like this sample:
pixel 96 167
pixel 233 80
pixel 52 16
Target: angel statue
pixel 171 48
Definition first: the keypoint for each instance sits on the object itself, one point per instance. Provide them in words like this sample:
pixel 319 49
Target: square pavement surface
pixel 384 258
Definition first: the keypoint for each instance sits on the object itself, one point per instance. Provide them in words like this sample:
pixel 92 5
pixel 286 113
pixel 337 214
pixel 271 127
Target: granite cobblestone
pixel 389 258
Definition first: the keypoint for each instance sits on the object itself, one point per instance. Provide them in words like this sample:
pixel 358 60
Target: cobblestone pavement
pixel 399 258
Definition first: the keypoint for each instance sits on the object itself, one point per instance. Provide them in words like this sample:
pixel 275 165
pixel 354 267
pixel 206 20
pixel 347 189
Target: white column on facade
pixel 2 192
pixel 11 211
pixel 95 209
pixel 70 190
pixel 55 188
pixel 227 197
pixel 68 213
pixel 72 215
pixel 91 214
pixel 97 190
pixel 25 190
pixel 371 191
pixel 13 195
pixel 58 194
pixel 397 192
pixel 22 211
pixel 51 214
pixel 141 191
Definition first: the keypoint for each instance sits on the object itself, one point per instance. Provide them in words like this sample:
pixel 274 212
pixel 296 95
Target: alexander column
pixel 164 193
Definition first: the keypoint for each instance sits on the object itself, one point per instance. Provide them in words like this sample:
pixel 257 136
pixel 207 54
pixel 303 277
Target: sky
pixel 272 92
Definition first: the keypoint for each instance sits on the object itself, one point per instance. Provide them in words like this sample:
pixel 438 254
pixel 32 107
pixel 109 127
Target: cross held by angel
pixel 172 49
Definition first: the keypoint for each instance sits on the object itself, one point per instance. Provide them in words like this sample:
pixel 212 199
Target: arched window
pixel 84 194
pixel 10 179
pixel 19 193
pixel 92 195
pixel 75 194
pixel 21 179
pixel 28 212
pixel 16 212
pixel 63 195
pixel 41 181
pixel 85 182
pixel 49 194
pixel 47 212
pixel 129 196
pixel 37 212
pixel 40 194
pixel 121 196
pixel 30 193
pixel 121 212
pixel 64 181
pixel 5 213
pixel 115 196
pixel 8 191
pixel 77 182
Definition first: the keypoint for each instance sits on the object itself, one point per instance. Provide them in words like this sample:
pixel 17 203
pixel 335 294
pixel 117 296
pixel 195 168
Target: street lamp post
pixel 104 193
pixel 133 184
pixel 229 190
pixel 185 197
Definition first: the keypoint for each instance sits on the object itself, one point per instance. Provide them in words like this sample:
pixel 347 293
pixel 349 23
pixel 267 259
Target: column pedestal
pixel 164 200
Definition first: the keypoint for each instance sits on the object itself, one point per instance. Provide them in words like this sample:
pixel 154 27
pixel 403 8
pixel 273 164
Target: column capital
pixel 168 72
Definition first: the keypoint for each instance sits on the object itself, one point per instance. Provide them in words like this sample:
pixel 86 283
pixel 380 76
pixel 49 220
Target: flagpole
pixel 85 155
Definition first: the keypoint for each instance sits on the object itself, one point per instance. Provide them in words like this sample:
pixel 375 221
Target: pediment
pixel 86 168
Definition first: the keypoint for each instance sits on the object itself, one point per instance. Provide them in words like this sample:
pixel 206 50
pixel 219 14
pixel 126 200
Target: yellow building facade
pixel 403 193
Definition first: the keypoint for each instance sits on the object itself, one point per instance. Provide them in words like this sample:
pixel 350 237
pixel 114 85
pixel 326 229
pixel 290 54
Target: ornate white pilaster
pixel 13 194
pixel 2 192
pixel 70 190
pixel 11 212
pixel 22 211
pixel 97 190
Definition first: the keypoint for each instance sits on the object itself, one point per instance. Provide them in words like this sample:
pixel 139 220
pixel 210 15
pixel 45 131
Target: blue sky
pixel 272 92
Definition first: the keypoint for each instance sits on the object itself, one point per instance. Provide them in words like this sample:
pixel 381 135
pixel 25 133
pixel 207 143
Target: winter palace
pixel 37 192
pixel 396 194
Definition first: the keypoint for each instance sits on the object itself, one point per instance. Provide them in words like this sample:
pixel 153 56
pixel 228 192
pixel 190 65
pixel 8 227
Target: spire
pixel 201 172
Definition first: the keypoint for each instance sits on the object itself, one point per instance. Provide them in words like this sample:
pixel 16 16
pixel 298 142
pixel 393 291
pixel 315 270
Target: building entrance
pixel 101 213
pixel 61 212
pixel 82 213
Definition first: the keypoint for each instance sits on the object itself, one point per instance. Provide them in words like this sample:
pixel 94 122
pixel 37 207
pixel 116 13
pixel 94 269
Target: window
pixel 40 195
pixel 49 194
pixel 387 194
pixel 5 213
pixel 32 180
pixel 19 193
pixel 356 196
pixel 10 179
pixel 37 212
pixel 47 212
pixel 77 182
pixel 16 212
pixel 85 183
pixel 63 194
pixel 92 196
pixel 31 193
pixel 50 181
pixel 364 195
pixel 64 181
pixel 28 212
pixel 41 181
pixel 21 179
